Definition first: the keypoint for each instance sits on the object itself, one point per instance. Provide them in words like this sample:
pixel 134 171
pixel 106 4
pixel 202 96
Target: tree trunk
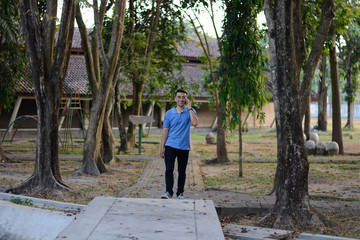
pixel 307 121
pixel 292 208
pixel 108 142
pixel 121 127
pixel 139 77
pixel 3 157
pixel 350 101
pixel 327 14
pixel 101 78
pixel 240 146
pixel 138 87
pixel 92 160
pixel 48 74
pixel 322 101
pixel 350 120
pixel 335 89
pixel 221 151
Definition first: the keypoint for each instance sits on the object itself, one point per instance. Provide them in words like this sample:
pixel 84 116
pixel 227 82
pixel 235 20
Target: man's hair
pixel 181 90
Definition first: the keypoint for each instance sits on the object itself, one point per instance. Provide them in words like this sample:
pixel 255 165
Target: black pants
pixel 182 159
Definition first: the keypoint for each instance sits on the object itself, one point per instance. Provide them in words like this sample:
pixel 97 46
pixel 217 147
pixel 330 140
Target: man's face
pixel 180 99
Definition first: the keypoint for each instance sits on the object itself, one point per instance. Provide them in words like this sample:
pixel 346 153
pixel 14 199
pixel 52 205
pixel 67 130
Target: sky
pixel 88 17
pixel 204 17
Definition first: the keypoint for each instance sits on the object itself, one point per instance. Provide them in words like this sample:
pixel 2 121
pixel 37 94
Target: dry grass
pixel 86 187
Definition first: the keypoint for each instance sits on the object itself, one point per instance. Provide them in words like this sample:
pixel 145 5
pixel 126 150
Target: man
pixel 175 142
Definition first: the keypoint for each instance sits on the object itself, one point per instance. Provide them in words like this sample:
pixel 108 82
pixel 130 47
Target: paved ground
pixel 143 218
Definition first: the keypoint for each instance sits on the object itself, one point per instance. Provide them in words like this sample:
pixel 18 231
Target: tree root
pixel 35 187
pixel 304 220
pixel 83 171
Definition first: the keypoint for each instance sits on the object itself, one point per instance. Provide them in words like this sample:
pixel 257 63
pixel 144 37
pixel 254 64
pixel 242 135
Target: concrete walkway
pixel 151 219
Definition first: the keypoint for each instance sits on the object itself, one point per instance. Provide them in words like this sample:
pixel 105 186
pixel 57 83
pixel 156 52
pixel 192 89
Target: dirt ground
pixel 329 179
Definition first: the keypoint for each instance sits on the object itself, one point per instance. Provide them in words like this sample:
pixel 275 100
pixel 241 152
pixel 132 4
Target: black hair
pixel 181 90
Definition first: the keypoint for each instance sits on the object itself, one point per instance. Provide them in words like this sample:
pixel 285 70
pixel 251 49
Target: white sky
pixel 204 17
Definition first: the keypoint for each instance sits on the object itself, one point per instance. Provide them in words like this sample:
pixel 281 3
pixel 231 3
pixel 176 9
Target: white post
pixel 15 112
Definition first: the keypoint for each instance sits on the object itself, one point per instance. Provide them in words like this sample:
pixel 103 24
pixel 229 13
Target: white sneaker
pixel 180 196
pixel 166 196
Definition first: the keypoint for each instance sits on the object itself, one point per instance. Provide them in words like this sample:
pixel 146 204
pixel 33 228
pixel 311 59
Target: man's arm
pixel 194 118
pixel 163 141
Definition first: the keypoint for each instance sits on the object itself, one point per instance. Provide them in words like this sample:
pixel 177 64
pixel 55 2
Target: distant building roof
pixel 76 77
pixel 192 48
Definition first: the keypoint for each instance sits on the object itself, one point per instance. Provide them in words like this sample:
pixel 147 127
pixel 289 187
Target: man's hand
pixel 163 141
pixel 162 152
pixel 188 103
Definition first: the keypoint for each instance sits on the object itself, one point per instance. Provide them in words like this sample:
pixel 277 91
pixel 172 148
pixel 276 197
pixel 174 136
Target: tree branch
pixel 327 14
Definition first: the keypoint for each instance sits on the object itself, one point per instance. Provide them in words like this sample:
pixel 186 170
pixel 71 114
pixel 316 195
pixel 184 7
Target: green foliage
pixel 242 63
pixel 9 16
pixel 19 201
pixel 311 12
pixel 161 73
pixel 12 56
pixel 348 30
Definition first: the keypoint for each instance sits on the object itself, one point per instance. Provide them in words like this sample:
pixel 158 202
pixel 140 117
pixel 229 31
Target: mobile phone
pixel 186 102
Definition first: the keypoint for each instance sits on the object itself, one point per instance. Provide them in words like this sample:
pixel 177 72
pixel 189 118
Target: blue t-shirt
pixel 179 128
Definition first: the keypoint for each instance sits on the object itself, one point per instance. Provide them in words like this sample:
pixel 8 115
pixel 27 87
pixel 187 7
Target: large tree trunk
pixel 335 89
pixel 292 208
pixel 322 101
pixel 92 159
pixel 48 73
pixel 101 78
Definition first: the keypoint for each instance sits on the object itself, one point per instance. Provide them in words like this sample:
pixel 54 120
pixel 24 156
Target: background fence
pixel 344 111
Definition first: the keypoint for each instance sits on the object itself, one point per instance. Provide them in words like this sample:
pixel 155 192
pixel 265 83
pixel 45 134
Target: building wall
pixel 27 107
pixel 253 122
pixel 206 116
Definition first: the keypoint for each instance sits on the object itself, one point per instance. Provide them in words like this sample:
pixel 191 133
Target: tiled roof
pixel 76 78
pixel 192 73
pixel 75 81
pixel 193 49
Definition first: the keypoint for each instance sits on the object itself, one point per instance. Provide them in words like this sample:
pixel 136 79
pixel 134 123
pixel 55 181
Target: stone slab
pixel 44 203
pixel 257 233
pixel 253 233
pixel 138 218
pixel 18 222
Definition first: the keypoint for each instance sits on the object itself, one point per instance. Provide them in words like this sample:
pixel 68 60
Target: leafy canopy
pixel 242 62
